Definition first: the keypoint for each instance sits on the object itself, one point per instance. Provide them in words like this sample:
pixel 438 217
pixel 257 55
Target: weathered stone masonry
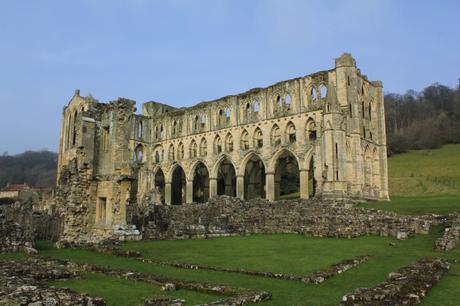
pixel 322 135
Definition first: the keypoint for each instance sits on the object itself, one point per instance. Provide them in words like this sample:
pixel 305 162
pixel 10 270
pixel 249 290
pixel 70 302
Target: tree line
pixel 422 120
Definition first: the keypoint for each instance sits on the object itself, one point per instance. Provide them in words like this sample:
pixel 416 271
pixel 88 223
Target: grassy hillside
pixel 425 172
pixel 424 181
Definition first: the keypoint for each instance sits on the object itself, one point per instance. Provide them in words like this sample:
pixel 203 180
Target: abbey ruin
pixel 321 135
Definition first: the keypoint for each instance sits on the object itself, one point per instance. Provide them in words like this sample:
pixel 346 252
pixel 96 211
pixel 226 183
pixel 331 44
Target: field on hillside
pixel 420 182
pixel 425 181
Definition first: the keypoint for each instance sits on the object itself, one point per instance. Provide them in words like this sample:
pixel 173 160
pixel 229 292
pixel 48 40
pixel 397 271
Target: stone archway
pixel 287 176
pixel 226 178
pixel 159 185
pixel 254 178
pixel 178 186
pixel 200 183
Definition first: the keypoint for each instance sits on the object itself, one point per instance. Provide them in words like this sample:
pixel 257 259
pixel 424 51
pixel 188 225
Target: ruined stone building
pixel 318 135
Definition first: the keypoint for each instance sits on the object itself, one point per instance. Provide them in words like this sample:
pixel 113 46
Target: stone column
pixel 168 196
pixel 212 186
pixel 240 186
pixel 270 186
pixel 304 177
pixel 189 192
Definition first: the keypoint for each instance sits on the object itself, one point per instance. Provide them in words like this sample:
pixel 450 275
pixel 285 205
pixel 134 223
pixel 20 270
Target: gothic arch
pixel 275 135
pixel 245 160
pixel 271 165
pixel 215 167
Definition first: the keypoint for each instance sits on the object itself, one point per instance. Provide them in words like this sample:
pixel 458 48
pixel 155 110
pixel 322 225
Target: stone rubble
pixel 25 283
pixel 451 237
pixel 223 216
pixel 408 286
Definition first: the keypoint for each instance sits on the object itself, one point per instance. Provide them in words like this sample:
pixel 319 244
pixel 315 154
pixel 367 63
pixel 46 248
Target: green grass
pixel 118 291
pixel 425 172
pixel 281 253
pixel 424 182
pixel 419 205
pixel 12 256
pixel 421 182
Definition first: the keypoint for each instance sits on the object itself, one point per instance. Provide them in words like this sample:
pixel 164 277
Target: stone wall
pixel 16 229
pixel 451 237
pixel 230 216
pixel 408 286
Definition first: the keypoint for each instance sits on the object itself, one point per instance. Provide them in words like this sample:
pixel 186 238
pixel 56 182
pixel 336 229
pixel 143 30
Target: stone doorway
pixel 178 186
pixel 201 184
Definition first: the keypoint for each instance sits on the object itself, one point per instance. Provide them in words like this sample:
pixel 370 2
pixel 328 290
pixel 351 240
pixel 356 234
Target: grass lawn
pixel 281 253
pixel 421 182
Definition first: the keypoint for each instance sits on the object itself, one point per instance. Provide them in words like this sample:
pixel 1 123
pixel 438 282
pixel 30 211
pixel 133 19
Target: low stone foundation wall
pixel 408 286
pixel 451 237
pixel 224 216
pixel 16 229
pixel 25 283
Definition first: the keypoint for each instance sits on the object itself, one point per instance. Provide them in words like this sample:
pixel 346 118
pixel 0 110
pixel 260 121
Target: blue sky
pixel 184 52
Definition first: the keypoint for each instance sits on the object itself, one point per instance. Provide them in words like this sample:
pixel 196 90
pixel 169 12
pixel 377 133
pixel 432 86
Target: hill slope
pixel 425 172
pixel 37 169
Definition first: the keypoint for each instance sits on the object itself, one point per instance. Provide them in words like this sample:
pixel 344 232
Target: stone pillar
pixel 212 186
pixel 304 177
pixel 189 192
pixel 240 186
pixel 270 186
pixel 168 196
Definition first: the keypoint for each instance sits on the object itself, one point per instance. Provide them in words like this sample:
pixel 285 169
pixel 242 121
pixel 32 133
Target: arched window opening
pixel 287 177
pixel 174 128
pixel 229 143
pixel 245 140
pixel 254 179
pixel 159 186
pixel 362 109
pixel 193 149
pixel 203 147
pixel 290 131
pixel 139 129
pixel 370 111
pixel 276 136
pixel 278 105
pixel 226 179
pixel 350 110
pixel 287 100
pixel 195 124
pixel 138 153
pixel 217 145
pixel 323 91
pixel 219 118
pixel 256 107
pixel 178 186
pixel 258 138
pixel 203 121
pixel 74 129
pixel 161 132
pixel 311 131
pixel 248 111
pixel 172 154
pixel 201 184
pixel 180 151
pixel 336 156
pixel 157 157
pixel 227 115
pixel 313 94
pixel 348 80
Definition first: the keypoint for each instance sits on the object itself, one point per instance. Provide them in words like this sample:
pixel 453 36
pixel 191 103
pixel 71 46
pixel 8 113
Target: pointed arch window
pixel 258 138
